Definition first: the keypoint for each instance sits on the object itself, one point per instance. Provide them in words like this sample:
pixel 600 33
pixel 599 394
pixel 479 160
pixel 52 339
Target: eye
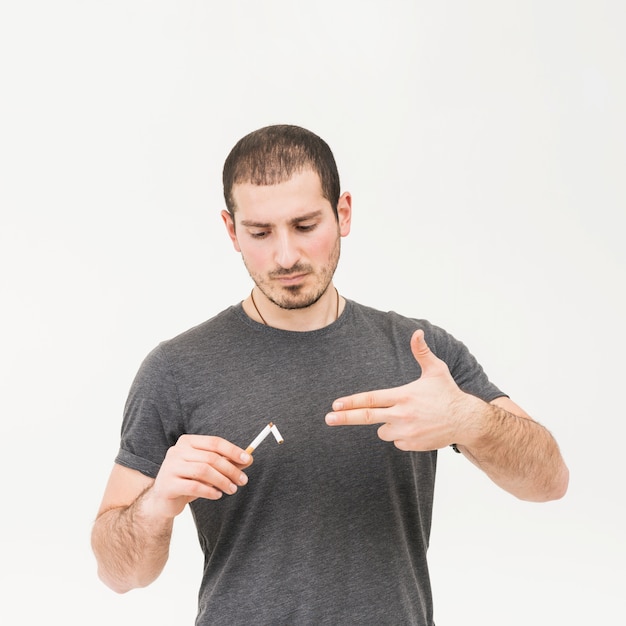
pixel 261 234
pixel 305 228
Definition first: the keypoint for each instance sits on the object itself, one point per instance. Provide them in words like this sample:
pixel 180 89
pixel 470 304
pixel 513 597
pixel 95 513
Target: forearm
pixel 131 545
pixel 517 453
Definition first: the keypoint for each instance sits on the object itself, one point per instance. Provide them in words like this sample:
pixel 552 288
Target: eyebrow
pixel 295 220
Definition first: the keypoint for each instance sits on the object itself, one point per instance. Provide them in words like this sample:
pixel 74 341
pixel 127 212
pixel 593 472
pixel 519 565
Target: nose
pixel 287 252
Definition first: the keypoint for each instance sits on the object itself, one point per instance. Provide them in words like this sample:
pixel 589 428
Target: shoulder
pixel 401 328
pixel 213 330
pixel 186 348
pixel 393 320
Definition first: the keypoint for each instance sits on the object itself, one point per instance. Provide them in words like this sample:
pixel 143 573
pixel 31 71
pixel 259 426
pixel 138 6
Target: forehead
pixel 300 194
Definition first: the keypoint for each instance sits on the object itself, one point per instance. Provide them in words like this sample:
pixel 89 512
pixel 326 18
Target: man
pixel 333 526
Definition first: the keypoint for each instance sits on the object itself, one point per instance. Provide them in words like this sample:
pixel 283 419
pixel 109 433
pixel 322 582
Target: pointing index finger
pixel 359 409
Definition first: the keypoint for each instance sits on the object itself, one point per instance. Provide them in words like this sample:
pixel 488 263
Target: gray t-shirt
pixel 333 526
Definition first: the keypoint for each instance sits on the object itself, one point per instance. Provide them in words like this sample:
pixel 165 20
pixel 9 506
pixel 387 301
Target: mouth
pixel 293 279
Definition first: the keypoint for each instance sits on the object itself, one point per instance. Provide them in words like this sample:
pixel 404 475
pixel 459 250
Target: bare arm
pixel 516 452
pixel 130 545
pixel 132 532
pixel 432 412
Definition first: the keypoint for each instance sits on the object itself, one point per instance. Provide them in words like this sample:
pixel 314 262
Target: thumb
pixel 422 353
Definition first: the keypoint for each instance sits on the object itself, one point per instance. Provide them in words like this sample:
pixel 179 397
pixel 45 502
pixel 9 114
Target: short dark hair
pixel 273 154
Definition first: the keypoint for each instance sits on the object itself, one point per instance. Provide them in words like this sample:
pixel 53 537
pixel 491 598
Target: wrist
pixel 150 508
pixel 472 422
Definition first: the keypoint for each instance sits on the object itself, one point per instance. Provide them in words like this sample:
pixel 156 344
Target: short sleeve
pixel 153 418
pixel 464 368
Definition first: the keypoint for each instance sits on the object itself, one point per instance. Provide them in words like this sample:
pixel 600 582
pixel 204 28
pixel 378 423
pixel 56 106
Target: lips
pixel 292 279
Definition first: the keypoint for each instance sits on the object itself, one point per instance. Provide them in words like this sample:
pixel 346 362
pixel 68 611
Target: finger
pixel 220 475
pixel 364 408
pixel 194 489
pixel 426 359
pixel 388 432
pixel 208 462
pixel 221 446
pixel 378 399
pixel 357 417
pixel 218 466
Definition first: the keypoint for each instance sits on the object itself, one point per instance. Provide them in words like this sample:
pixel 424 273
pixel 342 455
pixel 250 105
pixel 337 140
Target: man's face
pixel 289 237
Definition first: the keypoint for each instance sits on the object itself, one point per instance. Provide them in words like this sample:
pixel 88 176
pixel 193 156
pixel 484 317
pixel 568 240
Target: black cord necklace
pixel 256 308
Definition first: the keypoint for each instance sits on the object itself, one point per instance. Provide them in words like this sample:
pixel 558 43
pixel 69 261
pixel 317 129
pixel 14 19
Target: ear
pixel 230 229
pixel 344 213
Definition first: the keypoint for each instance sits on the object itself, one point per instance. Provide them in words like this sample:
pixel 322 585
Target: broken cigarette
pixel 270 428
pixel 276 433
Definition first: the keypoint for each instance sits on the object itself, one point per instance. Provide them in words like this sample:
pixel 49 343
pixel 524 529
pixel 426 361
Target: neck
pixel 320 314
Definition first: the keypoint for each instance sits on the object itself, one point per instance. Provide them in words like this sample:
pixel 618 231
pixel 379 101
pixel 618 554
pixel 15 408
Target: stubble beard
pixel 293 297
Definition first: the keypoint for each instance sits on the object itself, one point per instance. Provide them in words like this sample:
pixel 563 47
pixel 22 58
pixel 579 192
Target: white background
pixel 484 144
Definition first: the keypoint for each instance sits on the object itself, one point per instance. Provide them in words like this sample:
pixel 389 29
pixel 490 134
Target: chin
pixel 297 298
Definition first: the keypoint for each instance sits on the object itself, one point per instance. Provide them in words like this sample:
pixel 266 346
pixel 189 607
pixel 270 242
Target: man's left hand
pixel 426 414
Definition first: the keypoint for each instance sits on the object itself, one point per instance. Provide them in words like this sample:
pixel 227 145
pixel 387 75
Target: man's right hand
pixel 198 466
pixel 132 531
